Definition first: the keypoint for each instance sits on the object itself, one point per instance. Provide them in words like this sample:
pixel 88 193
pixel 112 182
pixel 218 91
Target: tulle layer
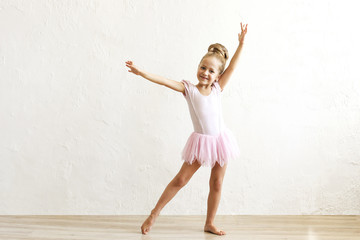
pixel 208 150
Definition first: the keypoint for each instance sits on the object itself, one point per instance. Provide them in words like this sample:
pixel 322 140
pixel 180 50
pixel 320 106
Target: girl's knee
pixel 215 185
pixel 179 181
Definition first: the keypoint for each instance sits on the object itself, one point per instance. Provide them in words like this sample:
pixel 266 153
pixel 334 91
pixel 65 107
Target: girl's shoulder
pixel 189 87
pixel 187 83
pixel 216 85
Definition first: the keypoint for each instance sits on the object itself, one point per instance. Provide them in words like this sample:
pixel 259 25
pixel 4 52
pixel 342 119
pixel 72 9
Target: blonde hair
pixel 220 52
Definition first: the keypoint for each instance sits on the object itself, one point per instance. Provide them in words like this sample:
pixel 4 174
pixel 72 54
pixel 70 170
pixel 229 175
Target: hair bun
pixel 219 49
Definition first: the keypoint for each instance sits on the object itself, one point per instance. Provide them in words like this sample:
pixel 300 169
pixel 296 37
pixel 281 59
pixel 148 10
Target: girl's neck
pixel 203 86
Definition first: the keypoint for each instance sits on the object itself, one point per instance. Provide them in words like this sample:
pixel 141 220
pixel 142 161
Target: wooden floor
pixel 180 227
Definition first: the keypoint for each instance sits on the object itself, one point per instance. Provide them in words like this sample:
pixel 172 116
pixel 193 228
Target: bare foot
pixel 212 229
pixel 145 228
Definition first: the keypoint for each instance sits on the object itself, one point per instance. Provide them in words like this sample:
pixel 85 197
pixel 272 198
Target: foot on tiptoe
pixel 146 226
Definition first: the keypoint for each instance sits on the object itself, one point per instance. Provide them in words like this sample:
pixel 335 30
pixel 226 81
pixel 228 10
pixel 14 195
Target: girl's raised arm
pixel 225 77
pixel 175 85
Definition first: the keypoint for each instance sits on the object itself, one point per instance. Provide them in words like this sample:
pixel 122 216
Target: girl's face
pixel 208 70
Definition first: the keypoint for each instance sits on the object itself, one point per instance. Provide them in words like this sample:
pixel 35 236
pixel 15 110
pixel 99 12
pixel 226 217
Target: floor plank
pixel 90 227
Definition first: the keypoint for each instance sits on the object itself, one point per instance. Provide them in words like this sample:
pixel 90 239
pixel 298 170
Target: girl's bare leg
pixel 179 181
pixel 216 180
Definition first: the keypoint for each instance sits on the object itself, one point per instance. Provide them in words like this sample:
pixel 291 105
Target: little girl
pixel 211 143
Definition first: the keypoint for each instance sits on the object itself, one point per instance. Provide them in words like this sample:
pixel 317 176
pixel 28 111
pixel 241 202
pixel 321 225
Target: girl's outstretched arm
pixel 225 77
pixel 175 85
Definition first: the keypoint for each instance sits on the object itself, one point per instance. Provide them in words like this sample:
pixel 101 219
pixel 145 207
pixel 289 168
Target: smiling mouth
pixel 203 78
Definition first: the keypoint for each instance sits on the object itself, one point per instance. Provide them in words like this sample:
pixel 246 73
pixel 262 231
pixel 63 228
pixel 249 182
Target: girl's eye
pixel 212 71
pixel 202 67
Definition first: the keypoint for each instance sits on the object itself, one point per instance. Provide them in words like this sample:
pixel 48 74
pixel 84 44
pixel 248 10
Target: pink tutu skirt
pixel 208 150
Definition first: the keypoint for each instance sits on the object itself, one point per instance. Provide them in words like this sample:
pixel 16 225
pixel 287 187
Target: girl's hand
pixel 134 69
pixel 242 34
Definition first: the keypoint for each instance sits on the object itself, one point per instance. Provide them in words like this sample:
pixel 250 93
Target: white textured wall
pixel 81 135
